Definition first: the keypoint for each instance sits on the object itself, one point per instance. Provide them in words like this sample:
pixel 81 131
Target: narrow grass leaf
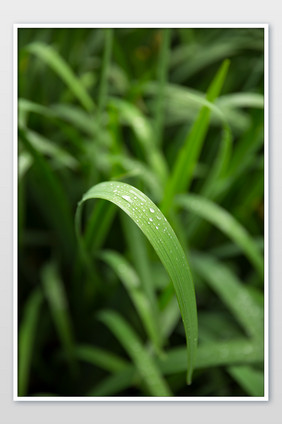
pixel 182 105
pixel 182 171
pixel 162 237
pixel 100 357
pixel 250 379
pixel 60 156
pixel 56 297
pixel 187 60
pixel 226 223
pixel 24 164
pixel 139 355
pixel 133 117
pixel 27 333
pixel 139 169
pixel 98 225
pixel 232 292
pixel 133 286
pixel 239 100
pixel 162 72
pixel 211 354
pixel 102 96
pixel 114 384
pixel 140 258
pixel 52 58
pixel 59 212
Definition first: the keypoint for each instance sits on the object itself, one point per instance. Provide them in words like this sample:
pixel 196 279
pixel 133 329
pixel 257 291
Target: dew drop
pixel 151 219
pixel 127 198
pixel 152 210
pixel 157 227
pixel 158 217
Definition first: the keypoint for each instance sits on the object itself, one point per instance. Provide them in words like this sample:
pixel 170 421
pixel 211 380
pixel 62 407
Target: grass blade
pixel 59 212
pixel 115 383
pixel 26 339
pixel 140 258
pixel 142 360
pixel 52 58
pixel 102 97
pixel 162 79
pixel 162 237
pixel 188 156
pixel 100 357
pixel 56 297
pixel 249 379
pixel 241 100
pixel 225 223
pixel 212 354
pixel 232 292
pixel 132 284
pixel 60 156
pixel 143 131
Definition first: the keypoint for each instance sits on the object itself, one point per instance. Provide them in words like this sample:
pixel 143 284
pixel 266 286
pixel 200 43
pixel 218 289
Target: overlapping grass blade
pixel 250 379
pixel 132 116
pixel 218 325
pixel 46 147
pixel 220 166
pixel 100 357
pixel 162 237
pixel 201 58
pixel 239 100
pixel 56 297
pixel 56 113
pixel 24 164
pixel 156 385
pixel 182 105
pixel 139 169
pixel 140 258
pixel 232 292
pixel 114 384
pixel 27 333
pixel 212 354
pixel 102 96
pixel 59 211
pixel 162 79
pixel 226 223
pixel 132 284
pixel 52 58
pixel 183 168
pixel 244 152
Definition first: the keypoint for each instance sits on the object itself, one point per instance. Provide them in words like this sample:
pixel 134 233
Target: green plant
pixel 165 125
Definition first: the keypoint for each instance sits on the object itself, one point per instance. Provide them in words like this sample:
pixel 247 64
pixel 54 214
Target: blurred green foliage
pixel 179 114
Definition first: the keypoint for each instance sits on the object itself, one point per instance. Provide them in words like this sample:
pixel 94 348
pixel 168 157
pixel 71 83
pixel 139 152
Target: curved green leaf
pixel 162 237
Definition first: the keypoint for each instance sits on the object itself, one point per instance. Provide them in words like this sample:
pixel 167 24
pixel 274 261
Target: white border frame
pixel 15 218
